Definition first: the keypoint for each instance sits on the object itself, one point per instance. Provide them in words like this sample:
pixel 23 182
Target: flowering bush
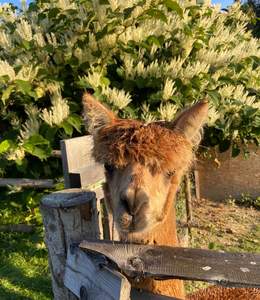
pixel 146 59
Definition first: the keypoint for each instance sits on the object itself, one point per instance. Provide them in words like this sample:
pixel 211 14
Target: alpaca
pixel 144 164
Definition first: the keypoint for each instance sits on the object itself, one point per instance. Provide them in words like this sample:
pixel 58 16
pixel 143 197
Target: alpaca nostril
pixel 126 204
pixel 133 206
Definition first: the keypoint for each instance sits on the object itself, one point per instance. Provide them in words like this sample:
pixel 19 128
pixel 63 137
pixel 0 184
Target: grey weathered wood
pixel 27 183
pixel 76 156
pixel 68 216
pixel 86 175
pixel 228 269
pixel 188 199
pixel 17 228
pixel 56 153
pixel 197 182
pixel 99 282
pixel 80 171
pixel 88 279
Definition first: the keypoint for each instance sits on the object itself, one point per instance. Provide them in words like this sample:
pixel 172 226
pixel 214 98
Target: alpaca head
pixel 143 162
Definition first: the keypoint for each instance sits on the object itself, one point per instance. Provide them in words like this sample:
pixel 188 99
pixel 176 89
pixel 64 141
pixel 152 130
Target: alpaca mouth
pixel 131 224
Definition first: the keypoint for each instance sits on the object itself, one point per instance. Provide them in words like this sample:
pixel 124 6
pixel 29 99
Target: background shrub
pixel 145 59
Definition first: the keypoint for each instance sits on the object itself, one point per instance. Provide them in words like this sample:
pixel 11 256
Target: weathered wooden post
pixel 68 216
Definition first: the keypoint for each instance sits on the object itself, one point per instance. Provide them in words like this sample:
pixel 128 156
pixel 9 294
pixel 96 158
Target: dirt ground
pixel 224 226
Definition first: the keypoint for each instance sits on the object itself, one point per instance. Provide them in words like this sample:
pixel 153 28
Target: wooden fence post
pixel 68 216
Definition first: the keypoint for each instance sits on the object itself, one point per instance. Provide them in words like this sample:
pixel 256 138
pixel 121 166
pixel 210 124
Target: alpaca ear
pixel 191 121
pixel 96 115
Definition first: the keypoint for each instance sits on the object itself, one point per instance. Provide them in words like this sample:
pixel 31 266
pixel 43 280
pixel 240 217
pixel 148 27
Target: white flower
pixel 66 4
pixel 24 30
pixel 146 115
pixel 17 154
pixel 39 39
pixel 119 98
pixel 5 40
pixel 51 38
pixel 168 89
pixel 213 116
pixel 167 111
pixel 6 69
pixel 27 73
pixel 58 112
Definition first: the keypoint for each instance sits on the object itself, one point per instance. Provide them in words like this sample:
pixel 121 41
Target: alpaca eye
pixel 109 168
pixel 170 174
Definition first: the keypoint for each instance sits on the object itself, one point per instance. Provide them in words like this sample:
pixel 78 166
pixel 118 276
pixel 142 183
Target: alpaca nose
pixel 133 205
pixel 127 203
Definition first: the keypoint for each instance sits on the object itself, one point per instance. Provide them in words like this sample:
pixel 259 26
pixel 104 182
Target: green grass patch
pixel 24 270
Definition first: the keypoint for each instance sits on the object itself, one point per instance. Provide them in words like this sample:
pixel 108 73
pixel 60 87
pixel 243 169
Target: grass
pixel 24 273
pixel 24 270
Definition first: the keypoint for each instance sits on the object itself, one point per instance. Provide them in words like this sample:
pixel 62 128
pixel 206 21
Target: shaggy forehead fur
pixel 128 141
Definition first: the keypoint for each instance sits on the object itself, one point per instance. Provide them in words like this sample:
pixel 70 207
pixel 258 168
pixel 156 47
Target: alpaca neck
pixel 163 234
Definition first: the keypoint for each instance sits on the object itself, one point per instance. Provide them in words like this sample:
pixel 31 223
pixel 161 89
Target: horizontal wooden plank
pixel 27 183
pixel 87 280
pixel 162 262
pixel 84 270
pixel 17 228
pixel 86 176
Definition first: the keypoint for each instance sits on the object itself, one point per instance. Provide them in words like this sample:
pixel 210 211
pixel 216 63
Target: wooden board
pixel 76 156
pixel 162 262
pixel 27 182
pixel 88 280
pixel 68 216
pixel 87 273
pixel 86 175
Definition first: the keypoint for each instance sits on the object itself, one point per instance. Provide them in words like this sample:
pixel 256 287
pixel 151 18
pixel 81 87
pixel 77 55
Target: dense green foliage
pixel 145 59
pixel 253 7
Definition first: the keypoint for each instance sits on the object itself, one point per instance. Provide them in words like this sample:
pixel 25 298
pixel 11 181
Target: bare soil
pixel 223 226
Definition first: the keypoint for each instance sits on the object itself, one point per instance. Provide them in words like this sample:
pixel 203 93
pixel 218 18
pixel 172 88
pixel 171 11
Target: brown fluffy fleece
pixel 127 141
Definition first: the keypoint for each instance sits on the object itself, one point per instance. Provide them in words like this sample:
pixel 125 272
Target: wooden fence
pixel 83 262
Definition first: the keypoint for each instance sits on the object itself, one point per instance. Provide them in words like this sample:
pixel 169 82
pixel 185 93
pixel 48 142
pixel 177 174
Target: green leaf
pixel 6 93
pixel 67 128
pixel 38 139
pixel 38 146
pixel 75 121
pixel 24 86
pixel 152 39
pixel 173 6
pixel 105 81
pixel 215 97
pixel 157 14
pixel 224 145
pixel 4 146
pixel 235 150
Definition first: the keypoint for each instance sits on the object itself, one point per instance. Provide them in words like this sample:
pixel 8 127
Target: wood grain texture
pixel 27 183
pixel 89 274
pixel 77 155
pixel 68 216
pixel 162 262
pixel 86 175
pixel 17 228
